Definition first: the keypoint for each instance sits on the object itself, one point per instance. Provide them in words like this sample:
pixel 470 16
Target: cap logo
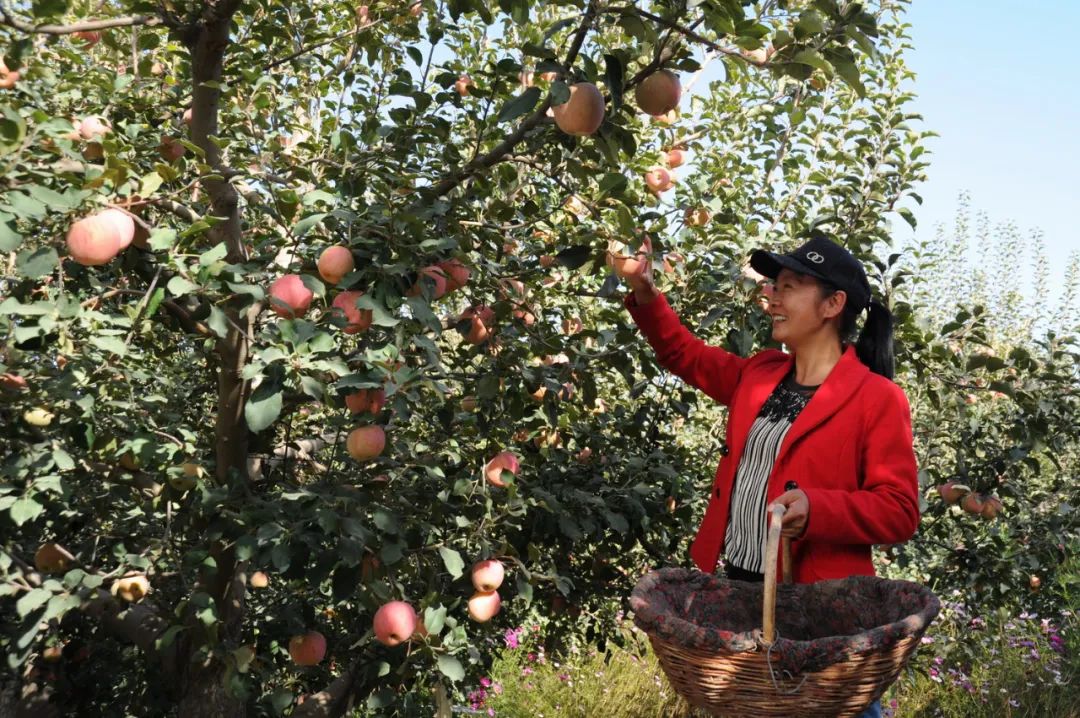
pixel 815 257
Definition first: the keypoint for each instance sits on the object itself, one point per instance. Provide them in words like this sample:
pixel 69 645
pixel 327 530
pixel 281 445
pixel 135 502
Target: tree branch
pixel 7 17
pixel 499 152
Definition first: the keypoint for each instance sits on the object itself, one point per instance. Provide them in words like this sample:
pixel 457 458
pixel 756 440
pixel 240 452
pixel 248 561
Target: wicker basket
pixel 836 648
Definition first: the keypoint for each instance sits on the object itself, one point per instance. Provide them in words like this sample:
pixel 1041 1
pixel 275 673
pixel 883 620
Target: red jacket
pixel 850 449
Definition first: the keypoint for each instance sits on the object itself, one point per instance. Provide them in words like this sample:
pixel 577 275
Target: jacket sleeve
pixel 885 510
pixel 711 369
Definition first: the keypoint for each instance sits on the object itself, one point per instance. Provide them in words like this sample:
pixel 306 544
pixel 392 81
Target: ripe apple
pixel 659 180
pixel 503 461
pixel 308 649
pixel 991 507
pixel 432 276
pixel 259 580
pixel 394 623
pixel 462 85
pixel 951 492
pixel 456 273
pixel 675 158
pixel 52 654
pixel 626 263
pixel 972 503
pixel 357 320
pixel 482 317
pixel 93 127
pixel 89 37
pixel 13 382
pixel 525 77
pixel 290 297
pixel 759 55
pixel 484 605
pixel 697 217
pixel 366 442
pixel 1035 582
pixel 469 403
pixel 583 113
pixel 659 93
pixel 572 325
pixel 362 16
pixel 97 239
pixel 366 401
pixel 186 119
pixel 334 263
pixel 584 455
pixel 121 223
pixel 171 149
pixel 487 575
pixel 131 588
pixel 52 558
pixel 416 9
pixel 8 78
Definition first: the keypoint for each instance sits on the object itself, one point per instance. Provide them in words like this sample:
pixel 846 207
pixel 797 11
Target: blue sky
pixel 997 80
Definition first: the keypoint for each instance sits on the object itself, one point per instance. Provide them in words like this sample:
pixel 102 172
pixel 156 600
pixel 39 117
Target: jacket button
pixel 724 449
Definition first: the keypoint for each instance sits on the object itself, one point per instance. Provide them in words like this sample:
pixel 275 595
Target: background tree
pixel 219 461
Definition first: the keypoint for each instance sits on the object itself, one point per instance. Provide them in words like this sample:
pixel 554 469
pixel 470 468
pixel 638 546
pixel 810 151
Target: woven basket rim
pixel 647 618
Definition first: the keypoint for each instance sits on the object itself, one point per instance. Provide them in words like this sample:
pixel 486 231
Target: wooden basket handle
pixel 772 548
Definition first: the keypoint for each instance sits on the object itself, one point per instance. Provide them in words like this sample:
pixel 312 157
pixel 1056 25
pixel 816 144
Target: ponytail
pixel 875 344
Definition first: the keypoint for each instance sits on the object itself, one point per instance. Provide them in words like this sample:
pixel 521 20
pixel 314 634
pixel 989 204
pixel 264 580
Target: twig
pixel 7 17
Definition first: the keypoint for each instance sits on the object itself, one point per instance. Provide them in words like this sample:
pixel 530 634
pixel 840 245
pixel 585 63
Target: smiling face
pixel 798 310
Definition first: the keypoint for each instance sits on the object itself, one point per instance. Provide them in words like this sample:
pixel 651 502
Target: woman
pixel 822 430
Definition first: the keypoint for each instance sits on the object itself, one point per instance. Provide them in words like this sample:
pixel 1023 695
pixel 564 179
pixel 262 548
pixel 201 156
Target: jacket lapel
pixel 839 386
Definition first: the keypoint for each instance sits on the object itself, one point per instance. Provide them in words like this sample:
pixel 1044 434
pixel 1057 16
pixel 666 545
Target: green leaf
pixel 560 93
pixel 113 345
pixel 161 239
pixel 178 286
pixel 520 105
pixel 150 184
pixel 9 238
pixel 263 408
pixel 813 58
pixel 217 322
pixel 32 600
pixel 434 619
pixel 12 130
pixel 303 226
pixel 214 254
pixel 810 23
pixel 452 560
pixel 37 263
pixel 451 667
pixel 850 74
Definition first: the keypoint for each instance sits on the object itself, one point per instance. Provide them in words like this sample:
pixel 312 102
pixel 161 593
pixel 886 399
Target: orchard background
pixel 177 438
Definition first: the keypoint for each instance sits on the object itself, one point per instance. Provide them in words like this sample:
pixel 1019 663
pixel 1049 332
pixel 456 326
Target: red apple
pixel 503 461
pixel 675 158
pixel 259 580
pixel 456 273
pixel 96 240
pixel 484 605
pixel 482 318
pixel 435 277
pixel 308 649
pixel 951 492
pixel 334 263
pixel 366 442
pixel 357 319
pixel 131 588
pixel 394 623
pixel 289 296
pixel 366 401
pixel 487 575
pixel 93 127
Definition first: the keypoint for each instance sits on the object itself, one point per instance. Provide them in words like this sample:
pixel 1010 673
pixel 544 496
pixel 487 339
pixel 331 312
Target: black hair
pixel 874 345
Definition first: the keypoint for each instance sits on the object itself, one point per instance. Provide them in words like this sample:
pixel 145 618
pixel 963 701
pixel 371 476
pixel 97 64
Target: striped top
pixel 744 542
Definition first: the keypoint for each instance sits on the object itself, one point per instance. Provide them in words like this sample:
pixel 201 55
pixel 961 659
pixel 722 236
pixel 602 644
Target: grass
pixel 969 666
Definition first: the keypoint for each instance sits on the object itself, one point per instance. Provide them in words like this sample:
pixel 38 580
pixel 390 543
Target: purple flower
pixel 485 682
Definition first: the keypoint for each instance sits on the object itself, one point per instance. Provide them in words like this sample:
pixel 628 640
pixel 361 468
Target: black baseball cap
pixel 823 259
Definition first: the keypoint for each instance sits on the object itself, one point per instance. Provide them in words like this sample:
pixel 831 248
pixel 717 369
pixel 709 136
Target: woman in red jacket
pixel 822 430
